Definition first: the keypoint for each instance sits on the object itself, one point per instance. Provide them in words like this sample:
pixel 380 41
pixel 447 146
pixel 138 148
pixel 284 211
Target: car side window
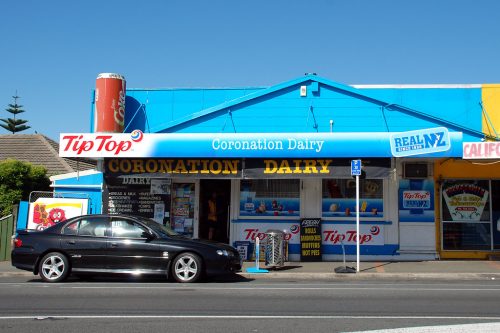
pixel 127 229
pixel 71 229
pixel 94 227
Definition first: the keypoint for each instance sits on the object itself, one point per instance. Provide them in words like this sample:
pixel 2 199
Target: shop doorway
pixel 219 190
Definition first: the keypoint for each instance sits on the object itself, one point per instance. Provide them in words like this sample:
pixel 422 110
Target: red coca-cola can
pixel 109 115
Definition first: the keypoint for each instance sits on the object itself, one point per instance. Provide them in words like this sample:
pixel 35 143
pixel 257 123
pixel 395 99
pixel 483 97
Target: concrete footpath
pixel 406 270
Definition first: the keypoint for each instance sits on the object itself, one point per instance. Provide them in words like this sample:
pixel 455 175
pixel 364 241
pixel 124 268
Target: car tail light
pixel 16 242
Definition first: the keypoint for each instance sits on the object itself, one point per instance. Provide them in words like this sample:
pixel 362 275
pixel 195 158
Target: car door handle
pixel 114 244
pixel 71 242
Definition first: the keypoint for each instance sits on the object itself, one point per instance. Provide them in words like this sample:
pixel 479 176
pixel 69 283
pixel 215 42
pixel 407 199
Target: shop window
pixel 339 198
pixel 466 215
pixel 270 197
pixel 495 211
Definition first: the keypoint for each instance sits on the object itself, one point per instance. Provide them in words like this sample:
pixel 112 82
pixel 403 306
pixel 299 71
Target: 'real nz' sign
pixel 426 141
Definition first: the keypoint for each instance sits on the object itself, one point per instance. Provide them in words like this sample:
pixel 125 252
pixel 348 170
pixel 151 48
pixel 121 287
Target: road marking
pixel 283 288
pixel 43 317
pixel 322 287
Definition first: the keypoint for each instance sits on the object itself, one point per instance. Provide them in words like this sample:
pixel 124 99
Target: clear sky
pixel 52 51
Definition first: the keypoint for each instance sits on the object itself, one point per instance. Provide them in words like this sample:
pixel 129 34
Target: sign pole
pixel 357 223
pixel 356 171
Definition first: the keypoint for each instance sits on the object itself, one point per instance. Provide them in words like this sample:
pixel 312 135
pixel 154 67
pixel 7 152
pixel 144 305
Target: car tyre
pixel 54 267
pixel 187 268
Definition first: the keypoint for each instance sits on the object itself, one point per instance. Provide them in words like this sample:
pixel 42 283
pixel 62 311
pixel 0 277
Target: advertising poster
pixel 183 197
pixel 465 201
pixel 252 206
pixel 310 240
pixel 416 200
pixel 336 234
pixel 46 212
pixel 340 207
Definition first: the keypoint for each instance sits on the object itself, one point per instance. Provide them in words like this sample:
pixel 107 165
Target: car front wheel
pixel 187 268
pixel 54 267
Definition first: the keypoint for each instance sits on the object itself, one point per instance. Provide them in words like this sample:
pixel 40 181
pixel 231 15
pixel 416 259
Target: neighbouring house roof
pixel 38 149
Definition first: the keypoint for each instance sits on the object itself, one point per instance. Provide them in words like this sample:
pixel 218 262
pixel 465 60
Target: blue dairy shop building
pixel 279 157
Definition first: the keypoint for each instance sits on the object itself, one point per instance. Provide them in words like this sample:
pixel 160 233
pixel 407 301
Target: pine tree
pixel 12 124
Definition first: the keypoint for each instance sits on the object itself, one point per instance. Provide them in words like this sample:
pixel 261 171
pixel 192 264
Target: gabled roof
pixel 263 92
pixel 38 149
pixel 344 89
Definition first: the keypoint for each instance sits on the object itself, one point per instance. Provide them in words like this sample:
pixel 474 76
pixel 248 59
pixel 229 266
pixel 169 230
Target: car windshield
pixel 157 227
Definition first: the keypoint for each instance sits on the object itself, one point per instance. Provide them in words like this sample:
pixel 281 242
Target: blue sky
pixel 52 51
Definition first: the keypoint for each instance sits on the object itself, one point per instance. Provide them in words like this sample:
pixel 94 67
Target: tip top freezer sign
pixel 416 199
pixel 46 212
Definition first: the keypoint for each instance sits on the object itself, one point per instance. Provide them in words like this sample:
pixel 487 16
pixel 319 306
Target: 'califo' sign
pixel 481 150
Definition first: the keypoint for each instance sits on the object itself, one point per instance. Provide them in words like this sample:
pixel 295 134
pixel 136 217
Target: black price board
pixel 140 196
pixel 310 240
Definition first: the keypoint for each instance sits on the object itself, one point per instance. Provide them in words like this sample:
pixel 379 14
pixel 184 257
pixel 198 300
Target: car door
pixel 85 241
pixel 131 248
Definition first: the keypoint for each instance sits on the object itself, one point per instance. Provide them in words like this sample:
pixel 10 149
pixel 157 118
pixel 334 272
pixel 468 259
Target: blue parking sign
pixel 355 167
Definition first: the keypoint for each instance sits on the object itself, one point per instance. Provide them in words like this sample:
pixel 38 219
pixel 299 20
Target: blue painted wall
pixel 76 190
pixel 281 109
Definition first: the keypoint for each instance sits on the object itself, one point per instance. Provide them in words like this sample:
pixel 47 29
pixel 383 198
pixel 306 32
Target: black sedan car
pixel 119 244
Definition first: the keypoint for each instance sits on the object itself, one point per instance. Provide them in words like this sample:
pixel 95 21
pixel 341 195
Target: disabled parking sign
pixel 355 167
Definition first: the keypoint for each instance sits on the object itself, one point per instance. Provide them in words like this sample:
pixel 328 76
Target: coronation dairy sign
pixel 248 145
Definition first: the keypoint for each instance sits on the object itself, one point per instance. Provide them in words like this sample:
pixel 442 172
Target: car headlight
pixel 222 253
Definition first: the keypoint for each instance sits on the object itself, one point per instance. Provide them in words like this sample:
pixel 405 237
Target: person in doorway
pixel 212 216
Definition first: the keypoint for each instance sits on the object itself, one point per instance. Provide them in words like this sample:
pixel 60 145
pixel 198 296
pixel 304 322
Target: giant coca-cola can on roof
pixel 109 113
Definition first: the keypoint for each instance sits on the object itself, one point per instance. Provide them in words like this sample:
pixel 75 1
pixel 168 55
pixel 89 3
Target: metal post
pixel 357 224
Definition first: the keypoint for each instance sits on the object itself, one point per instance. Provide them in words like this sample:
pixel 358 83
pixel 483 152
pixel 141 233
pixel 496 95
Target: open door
pixel 214 217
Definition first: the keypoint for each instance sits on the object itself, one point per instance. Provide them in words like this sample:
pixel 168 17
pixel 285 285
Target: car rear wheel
pixel 187 268
pixel 54 267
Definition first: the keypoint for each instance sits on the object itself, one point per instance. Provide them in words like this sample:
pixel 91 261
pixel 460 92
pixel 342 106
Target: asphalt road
pixel 243 305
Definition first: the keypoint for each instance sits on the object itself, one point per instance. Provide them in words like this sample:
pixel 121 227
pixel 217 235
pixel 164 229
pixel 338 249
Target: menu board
pixel 138 196
pixel 310 240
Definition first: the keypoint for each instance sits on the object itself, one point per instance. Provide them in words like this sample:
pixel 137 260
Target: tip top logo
pixel 98 145
pixel 425 141
pixel 136 135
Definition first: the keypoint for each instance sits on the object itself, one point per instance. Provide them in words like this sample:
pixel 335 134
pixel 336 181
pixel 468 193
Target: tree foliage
pixel 17 180
pixel 12 124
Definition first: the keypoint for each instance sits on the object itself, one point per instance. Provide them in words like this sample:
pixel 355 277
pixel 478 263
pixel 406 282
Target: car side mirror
pixel 148 235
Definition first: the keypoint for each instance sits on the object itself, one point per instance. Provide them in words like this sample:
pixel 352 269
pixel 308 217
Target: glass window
pixel 95 227
pixel 466 200
pixel 339 197
pixel 71 229
pixel 127 229
pixel 270 197
pixel 466 215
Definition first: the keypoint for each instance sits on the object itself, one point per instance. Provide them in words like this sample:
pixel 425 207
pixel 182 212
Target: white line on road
pixel 295 287
pixel 43 317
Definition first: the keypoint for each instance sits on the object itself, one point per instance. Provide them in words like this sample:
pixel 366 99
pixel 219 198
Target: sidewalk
pixel 414 270
pixel 407 270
